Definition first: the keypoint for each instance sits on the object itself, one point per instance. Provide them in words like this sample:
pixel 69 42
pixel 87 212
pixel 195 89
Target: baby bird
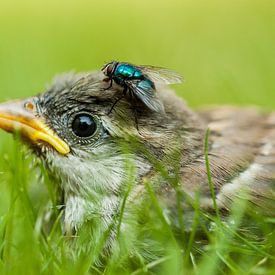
pixel 88 149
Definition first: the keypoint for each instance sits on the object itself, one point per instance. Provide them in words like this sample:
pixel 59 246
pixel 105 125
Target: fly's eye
pixel 84 125
pixel 110 69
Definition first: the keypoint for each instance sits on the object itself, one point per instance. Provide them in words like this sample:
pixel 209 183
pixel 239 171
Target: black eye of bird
pixel 84 125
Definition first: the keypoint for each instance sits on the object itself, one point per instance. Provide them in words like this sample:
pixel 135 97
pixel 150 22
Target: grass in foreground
pixel 241 243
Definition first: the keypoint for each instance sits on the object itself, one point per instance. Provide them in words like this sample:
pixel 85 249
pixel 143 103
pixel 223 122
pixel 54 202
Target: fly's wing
pixel 147 94
pixel 161 75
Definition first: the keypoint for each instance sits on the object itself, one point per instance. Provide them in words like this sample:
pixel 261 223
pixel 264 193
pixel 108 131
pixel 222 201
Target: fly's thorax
pixel 127 71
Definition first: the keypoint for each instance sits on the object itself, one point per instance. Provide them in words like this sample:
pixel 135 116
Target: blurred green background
pixel 224 49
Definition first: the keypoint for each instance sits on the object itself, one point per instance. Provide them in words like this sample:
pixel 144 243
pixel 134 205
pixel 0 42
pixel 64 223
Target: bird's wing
pixel 241 155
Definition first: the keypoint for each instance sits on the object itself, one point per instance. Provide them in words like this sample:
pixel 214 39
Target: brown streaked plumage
pixel 91 171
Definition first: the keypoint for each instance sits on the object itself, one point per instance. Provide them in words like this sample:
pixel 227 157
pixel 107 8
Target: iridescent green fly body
pixel 140 81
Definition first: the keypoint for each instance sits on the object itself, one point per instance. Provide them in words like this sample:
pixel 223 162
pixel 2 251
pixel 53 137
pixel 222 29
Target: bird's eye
pixel 84 125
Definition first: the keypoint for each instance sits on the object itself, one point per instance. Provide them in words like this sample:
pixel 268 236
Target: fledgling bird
pixel 70 128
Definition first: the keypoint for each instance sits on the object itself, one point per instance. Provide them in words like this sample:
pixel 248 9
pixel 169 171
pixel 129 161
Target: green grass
pixel 225 51
pixel 241 243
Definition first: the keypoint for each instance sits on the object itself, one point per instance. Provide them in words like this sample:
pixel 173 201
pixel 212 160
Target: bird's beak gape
pixel 20 116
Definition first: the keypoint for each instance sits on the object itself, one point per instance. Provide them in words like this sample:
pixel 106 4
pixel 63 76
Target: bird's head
pixel 72 130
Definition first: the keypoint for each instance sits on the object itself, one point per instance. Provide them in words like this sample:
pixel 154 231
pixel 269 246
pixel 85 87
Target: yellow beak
pixel 20 116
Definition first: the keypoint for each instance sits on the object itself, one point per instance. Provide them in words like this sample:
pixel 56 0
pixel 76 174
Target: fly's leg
pixel 110 86
pixel 131 93
pixel 136 118
pixel 132 98
pixel 118 99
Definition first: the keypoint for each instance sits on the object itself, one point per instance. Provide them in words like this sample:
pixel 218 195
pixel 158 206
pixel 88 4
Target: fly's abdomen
pixel 146 85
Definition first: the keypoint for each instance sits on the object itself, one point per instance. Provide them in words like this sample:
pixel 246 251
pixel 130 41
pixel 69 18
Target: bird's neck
pixel 94 188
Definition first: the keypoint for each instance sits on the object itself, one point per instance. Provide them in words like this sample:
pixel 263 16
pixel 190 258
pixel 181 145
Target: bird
pixel 88 150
